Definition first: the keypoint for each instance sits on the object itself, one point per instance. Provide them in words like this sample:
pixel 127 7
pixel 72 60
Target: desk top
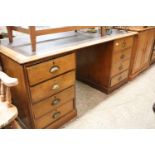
pixel 138 28
pixel 50 45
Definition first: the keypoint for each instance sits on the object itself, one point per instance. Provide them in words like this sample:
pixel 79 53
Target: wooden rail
pixel 33 32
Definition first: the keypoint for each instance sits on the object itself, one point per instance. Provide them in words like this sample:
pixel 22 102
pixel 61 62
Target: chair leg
pixel 10 34
pixel 15 125
pixel 33 37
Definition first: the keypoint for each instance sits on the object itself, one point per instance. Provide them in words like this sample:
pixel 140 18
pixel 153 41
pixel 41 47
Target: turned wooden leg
pixel 103 31
pixel 33 37
pixel 10 34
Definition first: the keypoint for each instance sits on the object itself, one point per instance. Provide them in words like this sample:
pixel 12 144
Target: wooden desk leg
pixel 103 31
pixel 32 37
pixel 10 34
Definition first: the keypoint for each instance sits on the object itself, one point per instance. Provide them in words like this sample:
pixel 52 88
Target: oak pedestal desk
pixel 45 95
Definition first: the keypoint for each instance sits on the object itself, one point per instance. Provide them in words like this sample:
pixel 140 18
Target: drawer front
pixel 54 115
pixel 49 69
pixel 53 86
pixel 121 56
pixel 55 101
pixel 122 44
pixel 120 67
pixel 117 79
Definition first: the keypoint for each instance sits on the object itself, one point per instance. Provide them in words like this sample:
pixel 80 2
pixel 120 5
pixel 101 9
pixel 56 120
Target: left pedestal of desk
pixel 45 96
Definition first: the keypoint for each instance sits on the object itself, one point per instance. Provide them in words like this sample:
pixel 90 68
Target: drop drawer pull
pixel 54 69
pixel 117 44
pixel 56 101
pixel 120 78
pixel 55 87
pixel 56 115
pixel 122 56
pixel 120 67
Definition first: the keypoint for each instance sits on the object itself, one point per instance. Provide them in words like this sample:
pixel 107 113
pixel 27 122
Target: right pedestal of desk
pixel 105 66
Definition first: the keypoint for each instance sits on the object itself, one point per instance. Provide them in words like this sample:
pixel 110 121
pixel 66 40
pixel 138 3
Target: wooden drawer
pixel 117 79
pixel 62 120
pixel 53 86
pixel 55 101
pixel 54 115
pixel 122 44
pixel 121 56
pixel 49 69
pixel 120 67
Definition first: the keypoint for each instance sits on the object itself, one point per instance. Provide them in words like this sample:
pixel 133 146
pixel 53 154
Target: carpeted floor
pixel 128 107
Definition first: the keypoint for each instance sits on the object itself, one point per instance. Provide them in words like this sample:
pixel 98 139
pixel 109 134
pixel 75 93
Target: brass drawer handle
pixel 56 101
pixel 54 69
pixel 55 87
pixel 117 44
pixel 120 78
pixel 122 56
pixel 120 67
pixel 56 115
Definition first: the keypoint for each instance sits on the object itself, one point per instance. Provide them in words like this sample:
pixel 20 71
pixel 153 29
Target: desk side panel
pixel 19 93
